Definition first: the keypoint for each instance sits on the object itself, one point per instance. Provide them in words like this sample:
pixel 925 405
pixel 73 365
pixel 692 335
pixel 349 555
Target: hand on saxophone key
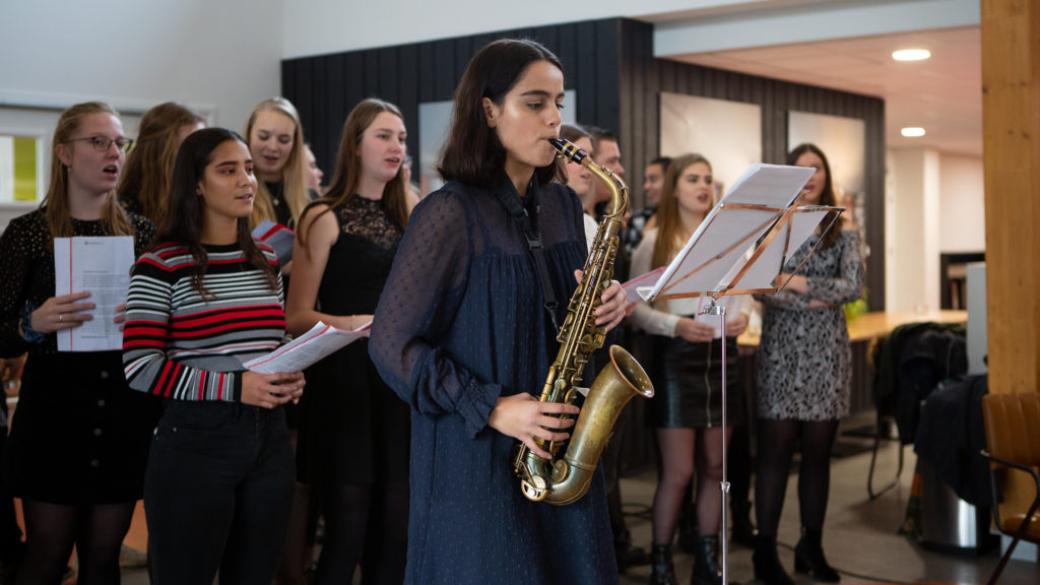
pixel 615 305
pixel 526 419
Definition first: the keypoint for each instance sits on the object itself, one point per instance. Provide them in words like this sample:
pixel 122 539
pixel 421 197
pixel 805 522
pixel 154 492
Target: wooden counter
pixel 878 324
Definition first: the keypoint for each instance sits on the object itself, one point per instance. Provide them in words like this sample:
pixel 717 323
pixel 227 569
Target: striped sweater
pixel 177 344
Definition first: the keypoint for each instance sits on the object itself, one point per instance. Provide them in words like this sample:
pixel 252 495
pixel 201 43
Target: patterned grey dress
pixel 804 359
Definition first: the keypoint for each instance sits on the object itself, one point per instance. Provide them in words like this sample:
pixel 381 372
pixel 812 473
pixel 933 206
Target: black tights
pixel 366 525
pixel 52 529
pixel 777 439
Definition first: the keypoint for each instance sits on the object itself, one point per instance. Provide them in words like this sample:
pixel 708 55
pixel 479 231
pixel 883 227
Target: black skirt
pixel 689 385
pixel 353 428
pixel 80 435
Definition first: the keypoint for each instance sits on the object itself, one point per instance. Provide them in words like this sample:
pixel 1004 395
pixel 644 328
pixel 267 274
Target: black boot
pixel 705 562
pixel 808 558
pixel 768 569
pixel 662 571
pixel 743 530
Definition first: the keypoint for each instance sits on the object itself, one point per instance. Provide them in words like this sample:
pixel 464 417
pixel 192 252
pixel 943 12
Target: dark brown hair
pixel 473 153
pixel 599 134
pixel 827 195
pixel 184 220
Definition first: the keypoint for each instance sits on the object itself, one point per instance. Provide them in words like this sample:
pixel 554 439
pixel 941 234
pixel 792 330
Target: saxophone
pixel 564 480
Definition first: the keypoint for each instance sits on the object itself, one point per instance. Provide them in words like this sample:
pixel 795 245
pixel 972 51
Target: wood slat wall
pixel 324 88
pixel 610 65
pixel 643 78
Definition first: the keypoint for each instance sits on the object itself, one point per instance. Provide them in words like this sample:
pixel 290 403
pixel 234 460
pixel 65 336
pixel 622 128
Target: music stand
pixel 740 248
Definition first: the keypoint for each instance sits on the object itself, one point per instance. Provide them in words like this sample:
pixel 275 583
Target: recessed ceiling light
pixel 912 132
pixel 911 54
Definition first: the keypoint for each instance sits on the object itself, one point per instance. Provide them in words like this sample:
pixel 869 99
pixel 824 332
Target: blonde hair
pixel 149 166
pixel 668 223
pixel 294 177
pixel 56 203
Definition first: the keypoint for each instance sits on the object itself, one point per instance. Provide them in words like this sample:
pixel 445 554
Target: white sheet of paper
pixel 726 234
pixel 316 344
pixel 101 265
pixel 772 185
pixel 642 281
pixel 764 270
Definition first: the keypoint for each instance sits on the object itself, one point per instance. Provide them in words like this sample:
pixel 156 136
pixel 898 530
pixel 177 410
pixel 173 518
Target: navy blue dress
pixel 460 323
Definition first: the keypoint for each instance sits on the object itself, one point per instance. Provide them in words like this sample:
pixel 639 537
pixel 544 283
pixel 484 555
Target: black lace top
pixel 354 429
pixel 360 260
pixel 27 269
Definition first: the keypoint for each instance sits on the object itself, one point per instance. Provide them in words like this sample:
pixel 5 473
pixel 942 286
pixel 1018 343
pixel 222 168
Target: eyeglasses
pixel 103 143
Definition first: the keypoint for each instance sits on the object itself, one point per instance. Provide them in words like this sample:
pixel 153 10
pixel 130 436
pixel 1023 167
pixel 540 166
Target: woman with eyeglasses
pixel 79 438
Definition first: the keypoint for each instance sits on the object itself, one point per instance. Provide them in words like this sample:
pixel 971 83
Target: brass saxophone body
pixel 564 480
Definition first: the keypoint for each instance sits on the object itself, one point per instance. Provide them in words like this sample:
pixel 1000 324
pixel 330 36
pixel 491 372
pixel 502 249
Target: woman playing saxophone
pixel 464 334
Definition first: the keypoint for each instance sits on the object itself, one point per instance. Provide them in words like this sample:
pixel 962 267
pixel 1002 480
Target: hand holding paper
pixel 319 342
pixel 62 312
pixel 100 267
pixel 271 390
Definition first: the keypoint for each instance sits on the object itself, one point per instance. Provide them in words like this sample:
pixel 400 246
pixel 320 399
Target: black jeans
pixel 217 494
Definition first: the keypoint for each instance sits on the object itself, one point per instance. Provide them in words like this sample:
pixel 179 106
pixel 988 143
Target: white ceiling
pixel 942 94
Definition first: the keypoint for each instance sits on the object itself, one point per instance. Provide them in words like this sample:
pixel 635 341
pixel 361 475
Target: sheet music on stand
pixel 745 240
pixel 741 247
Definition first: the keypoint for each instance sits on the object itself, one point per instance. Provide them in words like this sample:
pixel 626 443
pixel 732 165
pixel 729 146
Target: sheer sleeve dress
pixel 461 323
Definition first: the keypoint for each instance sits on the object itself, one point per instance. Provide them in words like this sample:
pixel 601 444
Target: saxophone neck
pixel 618 189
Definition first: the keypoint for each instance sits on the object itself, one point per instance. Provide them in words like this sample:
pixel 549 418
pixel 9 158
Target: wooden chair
pixel 1012 424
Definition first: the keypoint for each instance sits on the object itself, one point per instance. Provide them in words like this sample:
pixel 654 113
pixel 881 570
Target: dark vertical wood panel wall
pixel 642 79
pixel 324 88
pixel 610 64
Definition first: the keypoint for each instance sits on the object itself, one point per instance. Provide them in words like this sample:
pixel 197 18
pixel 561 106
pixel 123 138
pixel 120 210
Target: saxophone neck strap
pixel 528 225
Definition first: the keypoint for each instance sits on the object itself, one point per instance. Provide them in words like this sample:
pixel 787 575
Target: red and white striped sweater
pixel 177 344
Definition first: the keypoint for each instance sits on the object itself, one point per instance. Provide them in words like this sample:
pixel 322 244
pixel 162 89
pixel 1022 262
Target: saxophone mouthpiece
pixel 568 150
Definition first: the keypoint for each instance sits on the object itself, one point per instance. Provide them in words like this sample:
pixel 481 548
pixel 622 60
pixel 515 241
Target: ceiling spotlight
pixel 911 54
pixel 912 132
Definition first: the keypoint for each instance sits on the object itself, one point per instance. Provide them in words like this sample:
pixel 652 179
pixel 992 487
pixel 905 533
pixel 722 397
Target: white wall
pixel 934 204
pixel 221 55
pixel 329 26
pixel 912 231
pixel 962 212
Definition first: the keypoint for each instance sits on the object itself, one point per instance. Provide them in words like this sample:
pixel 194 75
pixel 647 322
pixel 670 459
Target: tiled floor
pixel 860 535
